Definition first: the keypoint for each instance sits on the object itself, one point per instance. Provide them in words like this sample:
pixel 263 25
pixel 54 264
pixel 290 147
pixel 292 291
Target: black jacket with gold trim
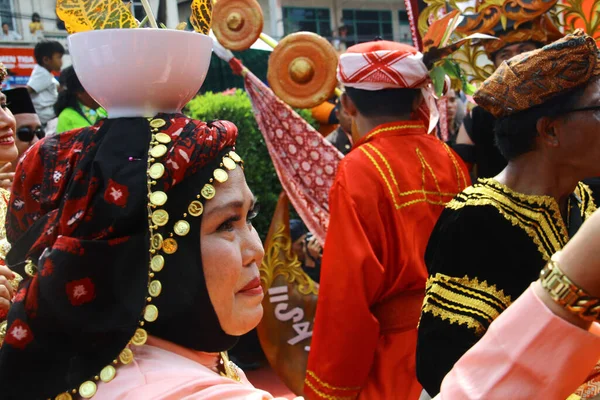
pixel 488 246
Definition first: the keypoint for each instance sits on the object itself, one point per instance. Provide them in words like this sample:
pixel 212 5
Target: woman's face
pixel 8 128
pixel 231 255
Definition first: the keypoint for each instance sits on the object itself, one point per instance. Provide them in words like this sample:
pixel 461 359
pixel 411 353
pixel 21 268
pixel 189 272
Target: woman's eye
pixel 227 226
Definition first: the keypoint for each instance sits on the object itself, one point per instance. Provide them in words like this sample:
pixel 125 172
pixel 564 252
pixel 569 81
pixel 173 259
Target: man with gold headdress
pixel 519 28
pixel 387 195
pixel 495 237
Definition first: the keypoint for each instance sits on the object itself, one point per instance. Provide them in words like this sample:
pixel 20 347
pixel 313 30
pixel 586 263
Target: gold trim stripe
pixel 328 386
pixel 393 128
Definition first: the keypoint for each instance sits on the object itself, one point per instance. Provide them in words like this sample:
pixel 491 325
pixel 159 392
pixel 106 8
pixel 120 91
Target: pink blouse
pixel 163 370
pixel 527 353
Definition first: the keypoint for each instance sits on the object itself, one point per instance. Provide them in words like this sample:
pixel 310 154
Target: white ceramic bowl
pixel 141 72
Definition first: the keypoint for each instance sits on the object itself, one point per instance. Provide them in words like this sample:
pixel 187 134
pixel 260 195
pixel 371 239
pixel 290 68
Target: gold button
pixel 162 138
pixel 30 268
pixel 88 389
pixel 157 242
pixel 156 171
pixel 234 156
pixel 181 228
pixel 229 163
pixel 140 337
pixel 108 373
pixel 155 288
pixel 157 263
pixel 158 151
pixel 150 313
pixel 208 191
pixel 64 396
pixel 157 123
pixel 160 217
pixel 195 208
pixel 126 356
pixel 158 198
pixel 169 246
pixel 220 175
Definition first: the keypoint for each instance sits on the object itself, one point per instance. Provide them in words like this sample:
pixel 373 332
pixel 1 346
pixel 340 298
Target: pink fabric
pixel 527 353
pixel 305 162
pixel 165 371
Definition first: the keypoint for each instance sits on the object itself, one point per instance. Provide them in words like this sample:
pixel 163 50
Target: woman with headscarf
pixel 75 107
pixel 142 264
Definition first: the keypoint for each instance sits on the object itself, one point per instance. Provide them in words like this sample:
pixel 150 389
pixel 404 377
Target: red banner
pixel 19 61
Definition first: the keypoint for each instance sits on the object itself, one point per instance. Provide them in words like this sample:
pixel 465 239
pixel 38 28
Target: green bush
pixel 260 173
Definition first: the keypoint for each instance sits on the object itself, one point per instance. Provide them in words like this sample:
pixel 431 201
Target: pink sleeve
pixel 527 353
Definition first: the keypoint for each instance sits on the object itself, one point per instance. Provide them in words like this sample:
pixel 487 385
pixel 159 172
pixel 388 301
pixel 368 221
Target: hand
pixel 314 248
pixel 6 290
pixel 6 176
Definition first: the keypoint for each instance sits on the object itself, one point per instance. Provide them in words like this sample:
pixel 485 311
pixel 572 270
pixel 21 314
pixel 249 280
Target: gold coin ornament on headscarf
pixel 157 242
pixel 140 337
pixel 108 373
pixel 158 198
pixel 155 288
pixel 220 175
pixel 156 171
pixel 158 151
pixel 181 228
pixel 229 163
pixel 88 389
pixel 157 123
pixel 160 217
pixel 235 157
pixel 208 191
pixel 64 396
pixel 150 313
pixel 157 263
pixel 162 138
pixel 195 208
pixel 170 246
pixel 126 356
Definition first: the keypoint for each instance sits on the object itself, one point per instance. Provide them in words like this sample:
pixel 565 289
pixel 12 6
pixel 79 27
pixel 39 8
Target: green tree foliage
pixel 260 173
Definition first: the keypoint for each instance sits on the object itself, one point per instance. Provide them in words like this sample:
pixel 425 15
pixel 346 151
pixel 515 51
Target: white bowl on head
pixel 141 72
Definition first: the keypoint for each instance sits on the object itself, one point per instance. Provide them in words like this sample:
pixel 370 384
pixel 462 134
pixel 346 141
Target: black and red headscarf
pixel 103 228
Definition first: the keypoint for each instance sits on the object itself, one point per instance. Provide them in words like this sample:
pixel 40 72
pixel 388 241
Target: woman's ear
pixel 546 129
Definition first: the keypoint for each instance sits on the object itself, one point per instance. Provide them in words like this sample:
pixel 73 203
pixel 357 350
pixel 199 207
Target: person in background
pixel 75 108
pixel 42 85
pixel 456 113
pixel 307 249
pixel 341 138
pixel 29 126
pixel 35 26
pixel 9 35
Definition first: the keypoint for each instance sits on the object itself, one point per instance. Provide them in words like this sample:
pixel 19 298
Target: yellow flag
pixel 87 15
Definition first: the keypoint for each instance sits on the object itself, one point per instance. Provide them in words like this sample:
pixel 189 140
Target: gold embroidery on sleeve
pixel 464 301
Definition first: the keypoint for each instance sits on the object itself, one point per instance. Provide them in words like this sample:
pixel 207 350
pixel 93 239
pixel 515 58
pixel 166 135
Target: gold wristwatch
pixel 568 294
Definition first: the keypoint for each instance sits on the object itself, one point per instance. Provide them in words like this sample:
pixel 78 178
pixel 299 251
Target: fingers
pixel 6 289
pixel 6 167
pixel 6 272
pixel 6 179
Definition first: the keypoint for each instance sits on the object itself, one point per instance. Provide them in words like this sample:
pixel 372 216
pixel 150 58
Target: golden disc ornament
pixel 302 70
pixel 237 24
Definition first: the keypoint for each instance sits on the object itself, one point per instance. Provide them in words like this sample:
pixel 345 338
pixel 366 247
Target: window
pixel 6 14
pixel 405 32
pixel 366 25
pixel 317 20
pixel 138 10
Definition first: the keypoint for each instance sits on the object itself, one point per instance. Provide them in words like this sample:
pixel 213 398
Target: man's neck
pixel 366 125
pixel 534 174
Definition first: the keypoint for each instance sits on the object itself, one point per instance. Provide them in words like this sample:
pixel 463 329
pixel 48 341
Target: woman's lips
pixel 253 288
pixel 7 140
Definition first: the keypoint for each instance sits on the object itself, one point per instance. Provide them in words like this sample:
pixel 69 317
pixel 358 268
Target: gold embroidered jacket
pixel 489 244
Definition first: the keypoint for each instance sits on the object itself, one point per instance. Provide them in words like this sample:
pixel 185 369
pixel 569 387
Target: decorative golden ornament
pixel 201 18
pixel 30 268
pixel 237 24
pixel 150 313
pixel 88 389
pixel 170 246
pixel 158 198
pixel 220 175
pixel 126 356
pixel 208 191
pixel 155 288
pixel 302 70
pixel 16 282
pixel 160 217
pixel 64 396
pixel 235 157
pixel 162 138
pixel 140 337
pixel 157 242
pixel 156 171
pixel 80 16
pixel 229 163
pixel 158 151
pixel 157 123
pixel 181 228
pixel 157 263
pixel 108 373
pixel 195 208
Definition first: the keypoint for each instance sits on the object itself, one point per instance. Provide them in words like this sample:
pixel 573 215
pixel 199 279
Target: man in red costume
pixel 387 196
